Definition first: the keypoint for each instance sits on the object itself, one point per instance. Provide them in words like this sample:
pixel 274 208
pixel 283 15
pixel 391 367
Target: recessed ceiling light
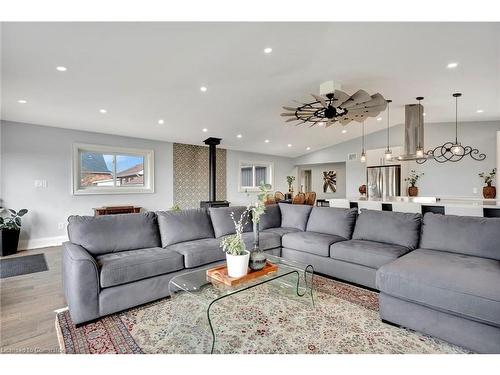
pixel 266 141
pixel 203 89
pixel 289 145
pixel 239 136
pixel 61 68
pixel 204 130
pixel 268 50
pixel 22 101
pixel 308 148
pixel 344 131
pixel 452 65
pixel 103 111
pixel 379 118
pixel 161 121
pixel 479 111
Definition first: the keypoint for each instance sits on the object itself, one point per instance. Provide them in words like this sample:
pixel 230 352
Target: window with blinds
pixel 253 174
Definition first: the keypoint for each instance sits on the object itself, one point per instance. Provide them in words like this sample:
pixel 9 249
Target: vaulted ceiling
pixel 143 72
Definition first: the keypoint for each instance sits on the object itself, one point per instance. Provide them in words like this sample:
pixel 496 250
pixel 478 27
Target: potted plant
pixel 237 256
pixel 290 180
pixel 489 192
pixel 412 181
pixel 257 256
pixel 10 228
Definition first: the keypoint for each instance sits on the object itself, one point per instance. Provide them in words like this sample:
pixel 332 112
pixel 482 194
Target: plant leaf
pixel 18 221
pixel 22 212
pixel 12 211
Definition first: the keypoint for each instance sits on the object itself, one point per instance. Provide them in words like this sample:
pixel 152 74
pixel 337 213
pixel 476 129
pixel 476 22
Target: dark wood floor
pixel 27 304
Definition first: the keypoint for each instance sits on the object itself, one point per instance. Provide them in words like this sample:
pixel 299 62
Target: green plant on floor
pixel 233 244
pixel 488 177
pixel 14 220
pixel 413 177
pixel 290 180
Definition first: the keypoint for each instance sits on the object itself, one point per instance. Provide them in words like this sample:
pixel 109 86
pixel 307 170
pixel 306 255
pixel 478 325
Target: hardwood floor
pixel 27 304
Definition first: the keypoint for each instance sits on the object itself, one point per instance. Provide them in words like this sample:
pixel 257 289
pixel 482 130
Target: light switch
pixel 41 184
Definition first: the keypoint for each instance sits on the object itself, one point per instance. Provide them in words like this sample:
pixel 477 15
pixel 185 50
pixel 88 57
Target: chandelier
pixel 453 151
pixel 336 106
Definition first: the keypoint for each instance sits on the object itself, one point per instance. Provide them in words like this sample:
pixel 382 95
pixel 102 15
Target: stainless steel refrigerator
pixel 383 181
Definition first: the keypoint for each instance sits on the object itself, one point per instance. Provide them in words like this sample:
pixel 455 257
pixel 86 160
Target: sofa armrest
pixel 81 283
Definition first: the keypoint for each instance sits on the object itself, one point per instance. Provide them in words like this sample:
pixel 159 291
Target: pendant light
pixel 419 152
pixel 388 151
pixel 363 154
pixel 453 151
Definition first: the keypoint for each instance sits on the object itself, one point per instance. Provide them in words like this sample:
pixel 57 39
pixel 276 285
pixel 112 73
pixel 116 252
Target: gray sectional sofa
pixel 441 278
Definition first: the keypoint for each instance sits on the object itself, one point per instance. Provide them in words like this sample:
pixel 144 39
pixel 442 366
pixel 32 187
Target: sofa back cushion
pixel 222 222
pixel 294 215
pixel 185 225
pixel 331 220
pixel 397 228
pixel 477 236
pixel 111 233
pixel 271 217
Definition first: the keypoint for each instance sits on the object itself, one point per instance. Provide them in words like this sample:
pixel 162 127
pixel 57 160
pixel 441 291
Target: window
pixel 112 170
pixel 253 174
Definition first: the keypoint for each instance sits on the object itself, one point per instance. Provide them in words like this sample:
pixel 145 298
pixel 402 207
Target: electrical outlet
pixel 61 226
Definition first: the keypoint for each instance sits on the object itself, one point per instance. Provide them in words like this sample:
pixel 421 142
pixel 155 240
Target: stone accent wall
pixel 191 175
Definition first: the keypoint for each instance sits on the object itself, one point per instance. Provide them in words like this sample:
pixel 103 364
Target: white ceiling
pixel 141 72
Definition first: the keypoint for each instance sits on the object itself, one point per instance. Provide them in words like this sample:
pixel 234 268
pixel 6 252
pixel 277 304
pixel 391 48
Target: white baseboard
pixel 35 243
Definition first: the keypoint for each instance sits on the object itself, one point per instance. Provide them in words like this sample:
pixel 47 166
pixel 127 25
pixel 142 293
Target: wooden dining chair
pixel 269 200
pixel 279 196
pixel 300 198
pixel 310 198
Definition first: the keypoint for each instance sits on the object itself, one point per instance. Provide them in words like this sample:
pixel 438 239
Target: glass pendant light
pixel 388 151
pixel 363 154
pixel 456 147
pixel 419 152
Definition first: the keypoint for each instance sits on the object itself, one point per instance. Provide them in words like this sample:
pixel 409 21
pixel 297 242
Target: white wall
pixel 32 152
pixel 317 179
pixel 448 179
pixel 282 168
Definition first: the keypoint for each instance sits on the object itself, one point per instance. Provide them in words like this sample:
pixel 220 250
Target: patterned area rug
pixel 344 320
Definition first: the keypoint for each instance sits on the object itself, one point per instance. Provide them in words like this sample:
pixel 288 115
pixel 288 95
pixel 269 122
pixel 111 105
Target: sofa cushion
pixel 222 222
pixel 281 230
pixel 367 253
pixel 398 228
pixel 185 225
pixel 331 220
pixel 199 252
pixel 294 215
pixel 267 240
pixel 478 236
pixel 310 242
pixel 461 284
pixel 128 266
pixel 111 233
pixel 271 217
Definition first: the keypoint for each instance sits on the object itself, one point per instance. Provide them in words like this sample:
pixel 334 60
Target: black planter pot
pixel 9 239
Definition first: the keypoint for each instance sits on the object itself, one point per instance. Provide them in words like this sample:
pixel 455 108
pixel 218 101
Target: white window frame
pixel 148 156
pixel 268 164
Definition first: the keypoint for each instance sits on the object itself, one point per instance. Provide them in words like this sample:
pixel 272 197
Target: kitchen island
pixel 444 205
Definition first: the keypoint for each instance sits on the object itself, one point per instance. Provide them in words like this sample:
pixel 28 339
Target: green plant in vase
pixel 412 179
pixel 237 256
pixel 489 192
pixel 290 180
pixel 10 228
pixel 257 257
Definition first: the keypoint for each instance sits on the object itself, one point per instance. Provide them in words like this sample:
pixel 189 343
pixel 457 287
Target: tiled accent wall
pixel 191 175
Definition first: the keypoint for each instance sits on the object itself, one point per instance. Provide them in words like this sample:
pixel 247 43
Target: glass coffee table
pixel 291 280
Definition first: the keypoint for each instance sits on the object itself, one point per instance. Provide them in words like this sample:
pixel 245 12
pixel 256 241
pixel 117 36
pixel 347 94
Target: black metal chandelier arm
pixel 444 153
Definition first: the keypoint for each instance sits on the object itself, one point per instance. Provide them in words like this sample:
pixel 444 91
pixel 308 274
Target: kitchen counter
pixel 434 201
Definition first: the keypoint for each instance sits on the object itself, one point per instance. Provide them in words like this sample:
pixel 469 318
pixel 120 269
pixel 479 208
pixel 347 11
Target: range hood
pixel 414 133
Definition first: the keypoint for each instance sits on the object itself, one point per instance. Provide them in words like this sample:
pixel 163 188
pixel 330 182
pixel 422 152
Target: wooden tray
pixel 220 274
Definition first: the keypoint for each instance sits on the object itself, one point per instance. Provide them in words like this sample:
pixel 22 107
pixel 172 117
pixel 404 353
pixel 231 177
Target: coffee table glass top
pixel 296 275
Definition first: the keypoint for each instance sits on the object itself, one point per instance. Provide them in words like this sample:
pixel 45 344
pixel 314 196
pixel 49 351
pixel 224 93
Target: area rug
pixel 22 265
pixel 344 320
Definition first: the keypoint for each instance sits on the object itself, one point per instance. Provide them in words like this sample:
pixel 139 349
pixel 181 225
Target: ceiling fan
pixel 335 106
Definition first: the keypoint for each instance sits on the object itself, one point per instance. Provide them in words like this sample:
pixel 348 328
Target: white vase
pixel 237 265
